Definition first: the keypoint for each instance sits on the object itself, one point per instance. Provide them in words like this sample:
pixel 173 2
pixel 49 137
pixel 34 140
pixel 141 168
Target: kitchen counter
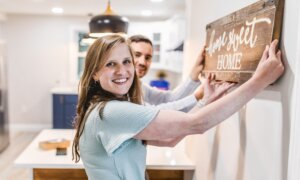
pixel 158 158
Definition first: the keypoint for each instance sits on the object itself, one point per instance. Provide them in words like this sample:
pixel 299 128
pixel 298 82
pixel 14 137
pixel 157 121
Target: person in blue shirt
pixel 113 127
pixel 160 82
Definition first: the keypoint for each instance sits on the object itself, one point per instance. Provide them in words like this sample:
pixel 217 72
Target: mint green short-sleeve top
pixel 107 147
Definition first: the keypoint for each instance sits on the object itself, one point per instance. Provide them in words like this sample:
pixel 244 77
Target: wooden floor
pixel 18 142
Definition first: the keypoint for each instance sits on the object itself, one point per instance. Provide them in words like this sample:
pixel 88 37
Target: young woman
pixel 112 127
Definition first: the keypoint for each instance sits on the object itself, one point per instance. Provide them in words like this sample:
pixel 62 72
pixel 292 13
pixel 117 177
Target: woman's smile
pixel 120 81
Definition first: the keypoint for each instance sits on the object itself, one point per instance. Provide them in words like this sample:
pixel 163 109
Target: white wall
pixel 2 19
pixel 294 147
pixel 258 146
pixel 38 59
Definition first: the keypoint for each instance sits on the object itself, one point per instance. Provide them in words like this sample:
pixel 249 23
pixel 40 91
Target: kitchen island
pixel 162 163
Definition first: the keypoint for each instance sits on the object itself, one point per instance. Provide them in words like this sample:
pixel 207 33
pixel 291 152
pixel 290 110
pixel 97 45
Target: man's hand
pixel 198 67
pixel 212 90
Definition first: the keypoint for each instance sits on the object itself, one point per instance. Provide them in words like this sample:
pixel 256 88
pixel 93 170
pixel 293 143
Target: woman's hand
pixel 270 66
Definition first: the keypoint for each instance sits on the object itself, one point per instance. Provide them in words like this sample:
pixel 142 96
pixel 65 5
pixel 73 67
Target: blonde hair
pixel 91 93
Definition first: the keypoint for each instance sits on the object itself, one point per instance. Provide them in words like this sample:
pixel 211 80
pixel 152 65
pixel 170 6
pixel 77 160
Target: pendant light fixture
pixel 107 23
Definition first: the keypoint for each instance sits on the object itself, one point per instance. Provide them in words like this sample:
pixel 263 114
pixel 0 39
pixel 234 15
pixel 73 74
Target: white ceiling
pixel 129 8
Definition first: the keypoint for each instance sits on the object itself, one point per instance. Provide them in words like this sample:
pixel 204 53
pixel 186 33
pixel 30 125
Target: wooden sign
pixel 235 43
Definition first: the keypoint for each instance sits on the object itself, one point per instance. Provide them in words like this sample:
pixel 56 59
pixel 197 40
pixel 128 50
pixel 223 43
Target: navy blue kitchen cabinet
pixel 64 110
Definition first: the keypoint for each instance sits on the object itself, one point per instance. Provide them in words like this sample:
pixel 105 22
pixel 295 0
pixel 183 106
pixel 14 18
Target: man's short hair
pixel 140 38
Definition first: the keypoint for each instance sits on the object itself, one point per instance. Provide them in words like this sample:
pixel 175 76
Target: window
pixel 82 49
pixel 156 47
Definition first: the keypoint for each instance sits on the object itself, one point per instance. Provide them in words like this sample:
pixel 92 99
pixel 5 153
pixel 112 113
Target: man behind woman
pixel 184 97
pixel 112 127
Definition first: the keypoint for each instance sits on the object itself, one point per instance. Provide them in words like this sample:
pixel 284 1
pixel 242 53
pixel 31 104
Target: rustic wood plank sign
pixel 235 43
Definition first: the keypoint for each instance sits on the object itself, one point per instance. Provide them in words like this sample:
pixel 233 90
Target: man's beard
pixel 142 70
